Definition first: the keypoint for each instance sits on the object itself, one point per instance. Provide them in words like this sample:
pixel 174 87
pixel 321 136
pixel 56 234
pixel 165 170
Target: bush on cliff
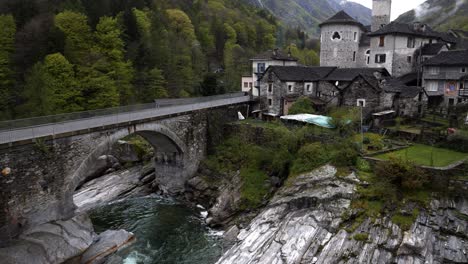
pixel 402 173
pixel 303 105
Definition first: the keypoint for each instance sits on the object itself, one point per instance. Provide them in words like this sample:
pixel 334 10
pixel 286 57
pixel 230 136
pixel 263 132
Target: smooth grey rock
pixel 109 188
pixel 231 234
pixel 106 244
pixel 302 224
pixel 50 243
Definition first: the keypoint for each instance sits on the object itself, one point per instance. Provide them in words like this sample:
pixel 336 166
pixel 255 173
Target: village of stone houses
pixel 125 137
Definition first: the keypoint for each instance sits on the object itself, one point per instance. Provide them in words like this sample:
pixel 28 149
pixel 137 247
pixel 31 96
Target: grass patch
pixel 361 237
pixel 254 189
pixel 405 221
pixel 426 155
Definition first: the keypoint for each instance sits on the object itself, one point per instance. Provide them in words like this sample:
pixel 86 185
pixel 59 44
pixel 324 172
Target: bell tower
pixel 381 11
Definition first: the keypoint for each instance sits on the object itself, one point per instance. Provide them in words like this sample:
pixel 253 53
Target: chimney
pixel 275 52
pixel 417 26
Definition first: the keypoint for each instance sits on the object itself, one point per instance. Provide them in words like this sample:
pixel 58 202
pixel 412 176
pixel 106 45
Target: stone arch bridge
pixel 49 160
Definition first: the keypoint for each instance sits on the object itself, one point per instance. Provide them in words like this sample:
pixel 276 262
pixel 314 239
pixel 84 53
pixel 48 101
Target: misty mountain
pixel 308 14
pixel 440 14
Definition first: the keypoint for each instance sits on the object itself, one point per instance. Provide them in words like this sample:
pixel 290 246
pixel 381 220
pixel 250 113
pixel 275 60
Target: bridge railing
pixel 80 121
pixel 159 103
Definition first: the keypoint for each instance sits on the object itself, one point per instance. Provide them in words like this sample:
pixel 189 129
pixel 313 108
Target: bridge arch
pixel 169 148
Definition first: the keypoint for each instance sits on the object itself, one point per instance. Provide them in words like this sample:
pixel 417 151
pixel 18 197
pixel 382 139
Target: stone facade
pixel 446 83
pixel 277 97
pixel 381 12
pixel 45 174
pixel 340 45
pixel 399 58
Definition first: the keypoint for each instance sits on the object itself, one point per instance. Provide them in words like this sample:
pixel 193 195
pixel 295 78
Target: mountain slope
pixel 440 14
pixel 308 14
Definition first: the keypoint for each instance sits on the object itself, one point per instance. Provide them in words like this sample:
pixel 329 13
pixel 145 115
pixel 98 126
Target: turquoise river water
pixel 167 232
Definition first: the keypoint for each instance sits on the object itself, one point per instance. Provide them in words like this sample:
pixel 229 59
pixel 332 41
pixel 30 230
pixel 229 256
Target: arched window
pixel 368 56
pixel 336 36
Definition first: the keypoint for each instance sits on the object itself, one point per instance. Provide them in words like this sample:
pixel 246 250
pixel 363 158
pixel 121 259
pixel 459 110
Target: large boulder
pixel 107 244
pixel 50 243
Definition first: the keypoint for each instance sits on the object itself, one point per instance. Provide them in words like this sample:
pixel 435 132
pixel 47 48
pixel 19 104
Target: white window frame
pixel 288 84
pixel 433 70
pixel 309 87
pixel 430 86
pixel 355 37
pixel 270 102
pixel 270 91
pixel 359 101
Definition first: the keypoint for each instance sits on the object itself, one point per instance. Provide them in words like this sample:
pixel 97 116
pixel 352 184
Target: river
pixel 167 231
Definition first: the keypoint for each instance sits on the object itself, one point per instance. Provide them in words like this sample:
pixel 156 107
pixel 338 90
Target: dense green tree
pixel 78 35
pixel 110 45
pixel 7 81
pixel 151 86
pixel 52 88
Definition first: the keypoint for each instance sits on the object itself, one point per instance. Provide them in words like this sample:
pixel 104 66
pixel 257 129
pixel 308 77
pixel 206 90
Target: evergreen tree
pixel 111 46
pixel 52 88
pixel 78 36
pixel 7 41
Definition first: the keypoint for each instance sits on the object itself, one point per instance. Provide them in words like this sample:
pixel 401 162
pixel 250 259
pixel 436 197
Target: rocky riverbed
pixel 303 224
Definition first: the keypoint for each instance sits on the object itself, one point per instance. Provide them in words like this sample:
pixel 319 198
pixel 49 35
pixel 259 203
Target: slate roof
pixel 274 55
pixel 349 74
pixel 405 91
pixel 449 58
pixel 432 49
pixel 365 40
pixel 342 18
pixel 405 29
pixel 300 73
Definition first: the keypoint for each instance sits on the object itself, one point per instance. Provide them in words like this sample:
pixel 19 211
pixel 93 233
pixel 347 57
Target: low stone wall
pixel 459 187
pixel 440 177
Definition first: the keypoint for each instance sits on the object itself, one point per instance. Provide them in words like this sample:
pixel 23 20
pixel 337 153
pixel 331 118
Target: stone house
pixel 445 78
pixel 395 46
pixel 346 43
pixel 281 86
pixel 342 39
pixel 260 63
pixel 370 88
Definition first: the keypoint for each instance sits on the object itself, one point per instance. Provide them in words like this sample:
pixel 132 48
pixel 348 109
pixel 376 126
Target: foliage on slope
pixel 124 52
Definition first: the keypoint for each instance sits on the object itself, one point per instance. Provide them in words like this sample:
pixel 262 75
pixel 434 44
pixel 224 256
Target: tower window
pixel 463 70
pixel 380 58
pixel 382 41
pixel 336 36
pixel 409 58
pixel 355 36
pixel 270 87
pixel 411 42
pixel 354 56
pixel 270 102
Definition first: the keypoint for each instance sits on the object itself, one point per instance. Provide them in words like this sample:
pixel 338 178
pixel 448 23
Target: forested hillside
pixel 441 14
pixel 308 14
pixel 63 56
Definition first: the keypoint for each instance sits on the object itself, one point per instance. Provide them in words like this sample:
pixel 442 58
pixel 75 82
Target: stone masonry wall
pixel 45 174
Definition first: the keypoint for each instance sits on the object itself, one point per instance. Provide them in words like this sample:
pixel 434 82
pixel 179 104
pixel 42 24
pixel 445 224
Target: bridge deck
pixel 14 133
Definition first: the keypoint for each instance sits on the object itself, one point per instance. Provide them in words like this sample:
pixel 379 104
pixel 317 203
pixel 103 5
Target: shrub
pixel 361 237
pixel 457 142
pixel 303 105
pixel 310 157
pixel 254 188
pixel 345 119
pixel 402 173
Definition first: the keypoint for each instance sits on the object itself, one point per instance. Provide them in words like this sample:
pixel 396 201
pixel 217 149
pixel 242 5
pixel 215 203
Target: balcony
pixel 463 92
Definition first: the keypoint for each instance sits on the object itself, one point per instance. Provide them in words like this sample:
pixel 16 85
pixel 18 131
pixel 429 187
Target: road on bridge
pixel 32 128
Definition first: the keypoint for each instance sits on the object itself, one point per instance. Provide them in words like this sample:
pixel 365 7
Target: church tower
pixel 381 11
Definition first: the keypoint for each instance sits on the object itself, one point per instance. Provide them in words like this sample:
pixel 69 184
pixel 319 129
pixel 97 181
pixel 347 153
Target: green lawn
pixel 421 154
